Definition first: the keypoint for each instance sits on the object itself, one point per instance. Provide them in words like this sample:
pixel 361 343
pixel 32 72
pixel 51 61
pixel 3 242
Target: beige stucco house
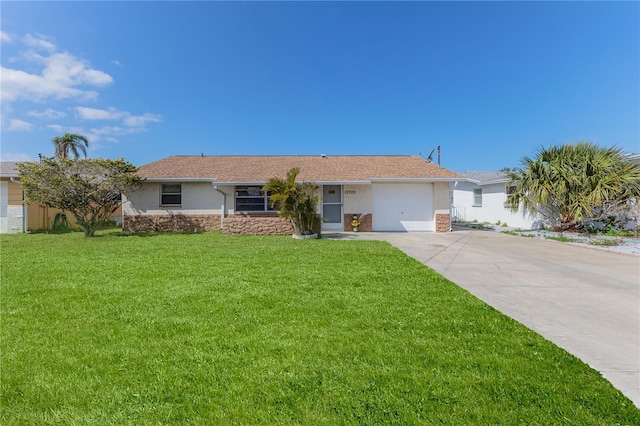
pixel 195 193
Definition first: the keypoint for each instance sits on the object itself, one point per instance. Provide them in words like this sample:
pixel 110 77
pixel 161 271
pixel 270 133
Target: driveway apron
pixel 584 300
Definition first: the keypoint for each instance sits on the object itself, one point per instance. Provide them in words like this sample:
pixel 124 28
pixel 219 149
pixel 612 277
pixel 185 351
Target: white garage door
pixel 402 207
pixel 4 201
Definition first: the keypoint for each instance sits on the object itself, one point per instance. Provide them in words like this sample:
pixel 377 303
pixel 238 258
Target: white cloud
pixel 86 113
pixel 68 129
pixel 141 120
pixel 63 76
pixel 17 125
pixel 55 127
pixel 110 131
pixel 15 157
pixel 105 133
pixel 39 72
pixel 49 114
pixel 39 41
pixel 131 123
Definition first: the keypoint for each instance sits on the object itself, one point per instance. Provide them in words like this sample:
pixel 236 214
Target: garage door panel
pixel 402 207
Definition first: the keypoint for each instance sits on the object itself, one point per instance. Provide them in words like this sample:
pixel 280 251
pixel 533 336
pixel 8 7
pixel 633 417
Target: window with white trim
pixel 477 197
pixel 171 194
pixel 252 199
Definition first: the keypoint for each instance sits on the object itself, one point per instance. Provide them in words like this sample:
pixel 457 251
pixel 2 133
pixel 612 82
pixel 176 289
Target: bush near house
pixel 295 201
pixel 571 183
pixel 89 189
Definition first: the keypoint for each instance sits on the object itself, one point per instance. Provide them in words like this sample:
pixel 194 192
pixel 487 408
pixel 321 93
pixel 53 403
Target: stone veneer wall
pixel 256 224
pixel 259 224
pixel 171 223
pixel 366 222
pixel 443 222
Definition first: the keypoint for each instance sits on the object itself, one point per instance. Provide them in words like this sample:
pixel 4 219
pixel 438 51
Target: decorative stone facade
pixel 366 222
pixel 259 224
pixel 171 223
pixel 443 222
pixel 242 223
pixel 256 224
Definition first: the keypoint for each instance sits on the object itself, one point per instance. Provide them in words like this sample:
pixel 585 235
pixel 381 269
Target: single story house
pixel 480 197
pixel 13 212
pixel 197 193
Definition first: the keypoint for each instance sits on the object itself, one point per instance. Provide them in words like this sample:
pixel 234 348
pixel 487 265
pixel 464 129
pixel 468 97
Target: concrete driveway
pixel 584 300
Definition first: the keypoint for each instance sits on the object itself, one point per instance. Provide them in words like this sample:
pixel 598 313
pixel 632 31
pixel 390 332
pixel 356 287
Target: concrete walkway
pixel 584 300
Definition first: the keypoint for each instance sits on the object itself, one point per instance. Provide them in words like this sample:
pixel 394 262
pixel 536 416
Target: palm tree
pixel 70 143
pixel 294 201
pixel 569 183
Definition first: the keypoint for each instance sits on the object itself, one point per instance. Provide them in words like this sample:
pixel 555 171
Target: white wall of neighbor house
pixel 197 198
pixel 12 211
pixel 4 207
pixel 492 209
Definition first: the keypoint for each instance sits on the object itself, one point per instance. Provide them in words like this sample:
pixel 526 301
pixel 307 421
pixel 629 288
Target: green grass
pixel 518 233
pixel 562 238
pixel 205 329
pixel 605 242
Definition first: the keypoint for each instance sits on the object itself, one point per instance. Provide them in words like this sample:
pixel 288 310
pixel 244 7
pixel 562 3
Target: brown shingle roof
pixel 312 168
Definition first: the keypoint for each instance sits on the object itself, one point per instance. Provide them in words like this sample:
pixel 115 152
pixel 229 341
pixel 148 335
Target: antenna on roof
pixel 429 158
pixel 202 154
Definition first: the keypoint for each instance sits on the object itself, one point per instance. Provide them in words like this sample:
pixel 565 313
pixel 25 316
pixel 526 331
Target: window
pixel 171 195
pixel 477 197
pixel 252 199
pixel 511 189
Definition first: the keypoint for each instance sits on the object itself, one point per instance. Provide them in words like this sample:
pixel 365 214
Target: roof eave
pixel 158 179
pixel 491 182
pixel 319 182
pixel 414 180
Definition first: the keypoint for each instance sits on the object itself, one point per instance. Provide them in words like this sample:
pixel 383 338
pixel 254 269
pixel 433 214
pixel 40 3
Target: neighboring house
pixel 194 193
pixel 13 212
pixel 15 216
pixel 481 197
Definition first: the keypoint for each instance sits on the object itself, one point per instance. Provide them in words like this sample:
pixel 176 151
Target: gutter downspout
pixel 24 206
pixel 451 205
pixel 224 202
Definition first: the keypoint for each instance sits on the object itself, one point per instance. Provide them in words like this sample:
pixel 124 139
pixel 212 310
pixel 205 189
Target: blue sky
pixel 489 82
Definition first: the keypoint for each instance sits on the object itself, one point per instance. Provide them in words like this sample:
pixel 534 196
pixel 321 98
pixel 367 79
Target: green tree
pixel 90 189
pixel 70 143
pixel 294 200
pixel 569 183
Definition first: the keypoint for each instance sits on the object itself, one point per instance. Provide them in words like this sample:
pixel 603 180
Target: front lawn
pixel 206 329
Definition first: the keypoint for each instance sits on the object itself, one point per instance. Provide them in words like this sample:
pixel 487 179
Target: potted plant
pixel 355 222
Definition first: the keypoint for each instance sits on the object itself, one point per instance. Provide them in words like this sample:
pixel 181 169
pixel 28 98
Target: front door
pixel 332 207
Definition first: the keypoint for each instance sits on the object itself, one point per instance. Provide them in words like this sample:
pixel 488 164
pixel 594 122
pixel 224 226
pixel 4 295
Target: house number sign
pixel 349 192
